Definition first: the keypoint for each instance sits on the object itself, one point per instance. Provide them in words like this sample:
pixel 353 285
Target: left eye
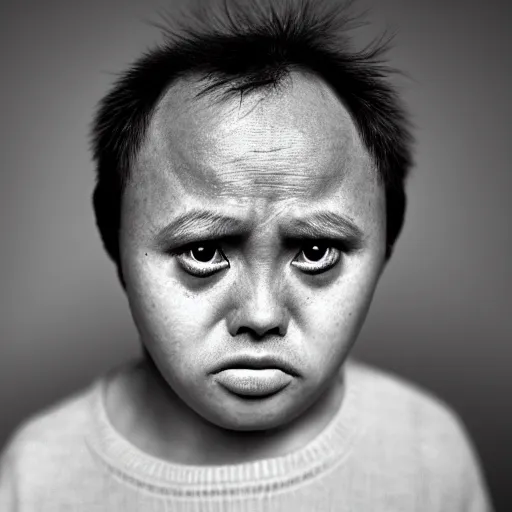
pixel 202 259
pixel 316 257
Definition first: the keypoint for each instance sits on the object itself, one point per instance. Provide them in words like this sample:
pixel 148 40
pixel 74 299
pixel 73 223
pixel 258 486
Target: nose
pixel 261 309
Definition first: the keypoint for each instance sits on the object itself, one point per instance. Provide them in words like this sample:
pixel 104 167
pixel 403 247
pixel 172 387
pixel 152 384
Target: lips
pixel 256 363
pixel 255 383
pixel 254 376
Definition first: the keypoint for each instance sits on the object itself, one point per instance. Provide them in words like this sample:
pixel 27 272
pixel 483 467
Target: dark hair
pixel 243 47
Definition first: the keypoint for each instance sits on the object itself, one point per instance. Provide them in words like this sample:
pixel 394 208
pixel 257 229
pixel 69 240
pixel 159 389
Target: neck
pixel 145 410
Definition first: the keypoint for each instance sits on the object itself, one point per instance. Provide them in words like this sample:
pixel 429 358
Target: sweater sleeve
pixel 7 482
pixel 476 492
pixel 453 465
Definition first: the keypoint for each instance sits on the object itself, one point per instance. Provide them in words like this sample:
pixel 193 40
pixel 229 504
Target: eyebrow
pixel 196 225
pixel 325 224
pixel 201 225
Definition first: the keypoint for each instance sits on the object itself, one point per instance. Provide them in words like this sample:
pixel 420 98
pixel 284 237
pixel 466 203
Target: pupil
pixel 315 252
pixel 203 253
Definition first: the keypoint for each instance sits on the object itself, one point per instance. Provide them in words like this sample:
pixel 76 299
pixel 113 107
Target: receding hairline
pixel 185 94
pixel 197 84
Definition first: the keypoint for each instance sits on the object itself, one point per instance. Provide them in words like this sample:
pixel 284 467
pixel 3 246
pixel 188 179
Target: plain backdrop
pixel 442 314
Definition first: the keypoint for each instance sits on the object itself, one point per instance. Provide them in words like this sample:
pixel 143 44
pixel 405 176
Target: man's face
pixel 251 229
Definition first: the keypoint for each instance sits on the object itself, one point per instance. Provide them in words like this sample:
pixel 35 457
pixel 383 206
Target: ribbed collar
pixel 142 470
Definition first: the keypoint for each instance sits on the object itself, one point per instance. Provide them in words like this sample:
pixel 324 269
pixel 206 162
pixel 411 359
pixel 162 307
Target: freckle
pixel 146 253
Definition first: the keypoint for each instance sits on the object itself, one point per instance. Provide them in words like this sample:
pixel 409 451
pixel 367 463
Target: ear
pixel 107 208
pixel 396 203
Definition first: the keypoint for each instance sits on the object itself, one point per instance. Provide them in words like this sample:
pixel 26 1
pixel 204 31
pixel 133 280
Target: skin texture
pixel 266 160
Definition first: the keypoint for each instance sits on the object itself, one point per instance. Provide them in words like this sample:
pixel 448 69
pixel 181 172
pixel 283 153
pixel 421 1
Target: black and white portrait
pixel 255 256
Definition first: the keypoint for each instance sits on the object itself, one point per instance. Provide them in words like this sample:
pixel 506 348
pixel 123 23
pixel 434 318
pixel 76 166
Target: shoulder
pixel 56 423
pixel 427 436
pixel 49 441
pixel 404 405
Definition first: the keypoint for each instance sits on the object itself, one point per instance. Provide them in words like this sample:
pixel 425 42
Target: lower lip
pixel 251 382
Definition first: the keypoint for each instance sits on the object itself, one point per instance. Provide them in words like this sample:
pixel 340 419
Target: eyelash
pixel 197 269
pixel 205 269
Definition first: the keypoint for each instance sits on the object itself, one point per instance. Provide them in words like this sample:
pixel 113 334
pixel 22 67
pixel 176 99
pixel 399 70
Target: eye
pixel 202 259
pixel 316 257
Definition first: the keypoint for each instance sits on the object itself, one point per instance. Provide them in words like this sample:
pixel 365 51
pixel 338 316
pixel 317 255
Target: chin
pixel 251 422
pixel 245 414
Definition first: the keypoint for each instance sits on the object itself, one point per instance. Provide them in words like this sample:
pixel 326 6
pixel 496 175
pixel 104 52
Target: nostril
pixel 259 332
pixel 258 321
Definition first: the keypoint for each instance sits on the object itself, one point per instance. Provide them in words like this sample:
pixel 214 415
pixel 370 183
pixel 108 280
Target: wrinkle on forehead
pixel 299 141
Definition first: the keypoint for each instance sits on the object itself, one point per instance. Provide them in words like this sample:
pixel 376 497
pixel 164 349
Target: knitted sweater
pixel 390 447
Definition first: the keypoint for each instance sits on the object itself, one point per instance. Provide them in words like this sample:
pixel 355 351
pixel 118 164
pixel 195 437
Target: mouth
pixel 247 362
pixel 253 383
pixel 254 377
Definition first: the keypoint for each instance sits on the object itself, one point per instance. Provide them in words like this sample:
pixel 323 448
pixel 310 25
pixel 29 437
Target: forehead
pixel 290 146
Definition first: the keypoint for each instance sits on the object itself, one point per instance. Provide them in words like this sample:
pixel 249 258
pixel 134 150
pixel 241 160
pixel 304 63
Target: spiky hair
pixel 237 47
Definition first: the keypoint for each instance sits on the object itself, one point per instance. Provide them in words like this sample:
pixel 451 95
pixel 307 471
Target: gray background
pixel 441 316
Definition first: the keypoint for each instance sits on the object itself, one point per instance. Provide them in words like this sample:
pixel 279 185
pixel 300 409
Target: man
pixel 250 191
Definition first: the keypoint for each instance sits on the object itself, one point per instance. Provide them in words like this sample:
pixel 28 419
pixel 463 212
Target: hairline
pixel 224 95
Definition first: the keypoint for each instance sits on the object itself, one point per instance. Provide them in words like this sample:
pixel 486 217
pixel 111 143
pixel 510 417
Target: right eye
pixel 202 259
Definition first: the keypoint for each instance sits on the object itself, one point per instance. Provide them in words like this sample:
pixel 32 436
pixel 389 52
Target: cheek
pixel 165 312
pixel 333 317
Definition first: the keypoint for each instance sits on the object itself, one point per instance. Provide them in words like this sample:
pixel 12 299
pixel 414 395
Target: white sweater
pixel 390 447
